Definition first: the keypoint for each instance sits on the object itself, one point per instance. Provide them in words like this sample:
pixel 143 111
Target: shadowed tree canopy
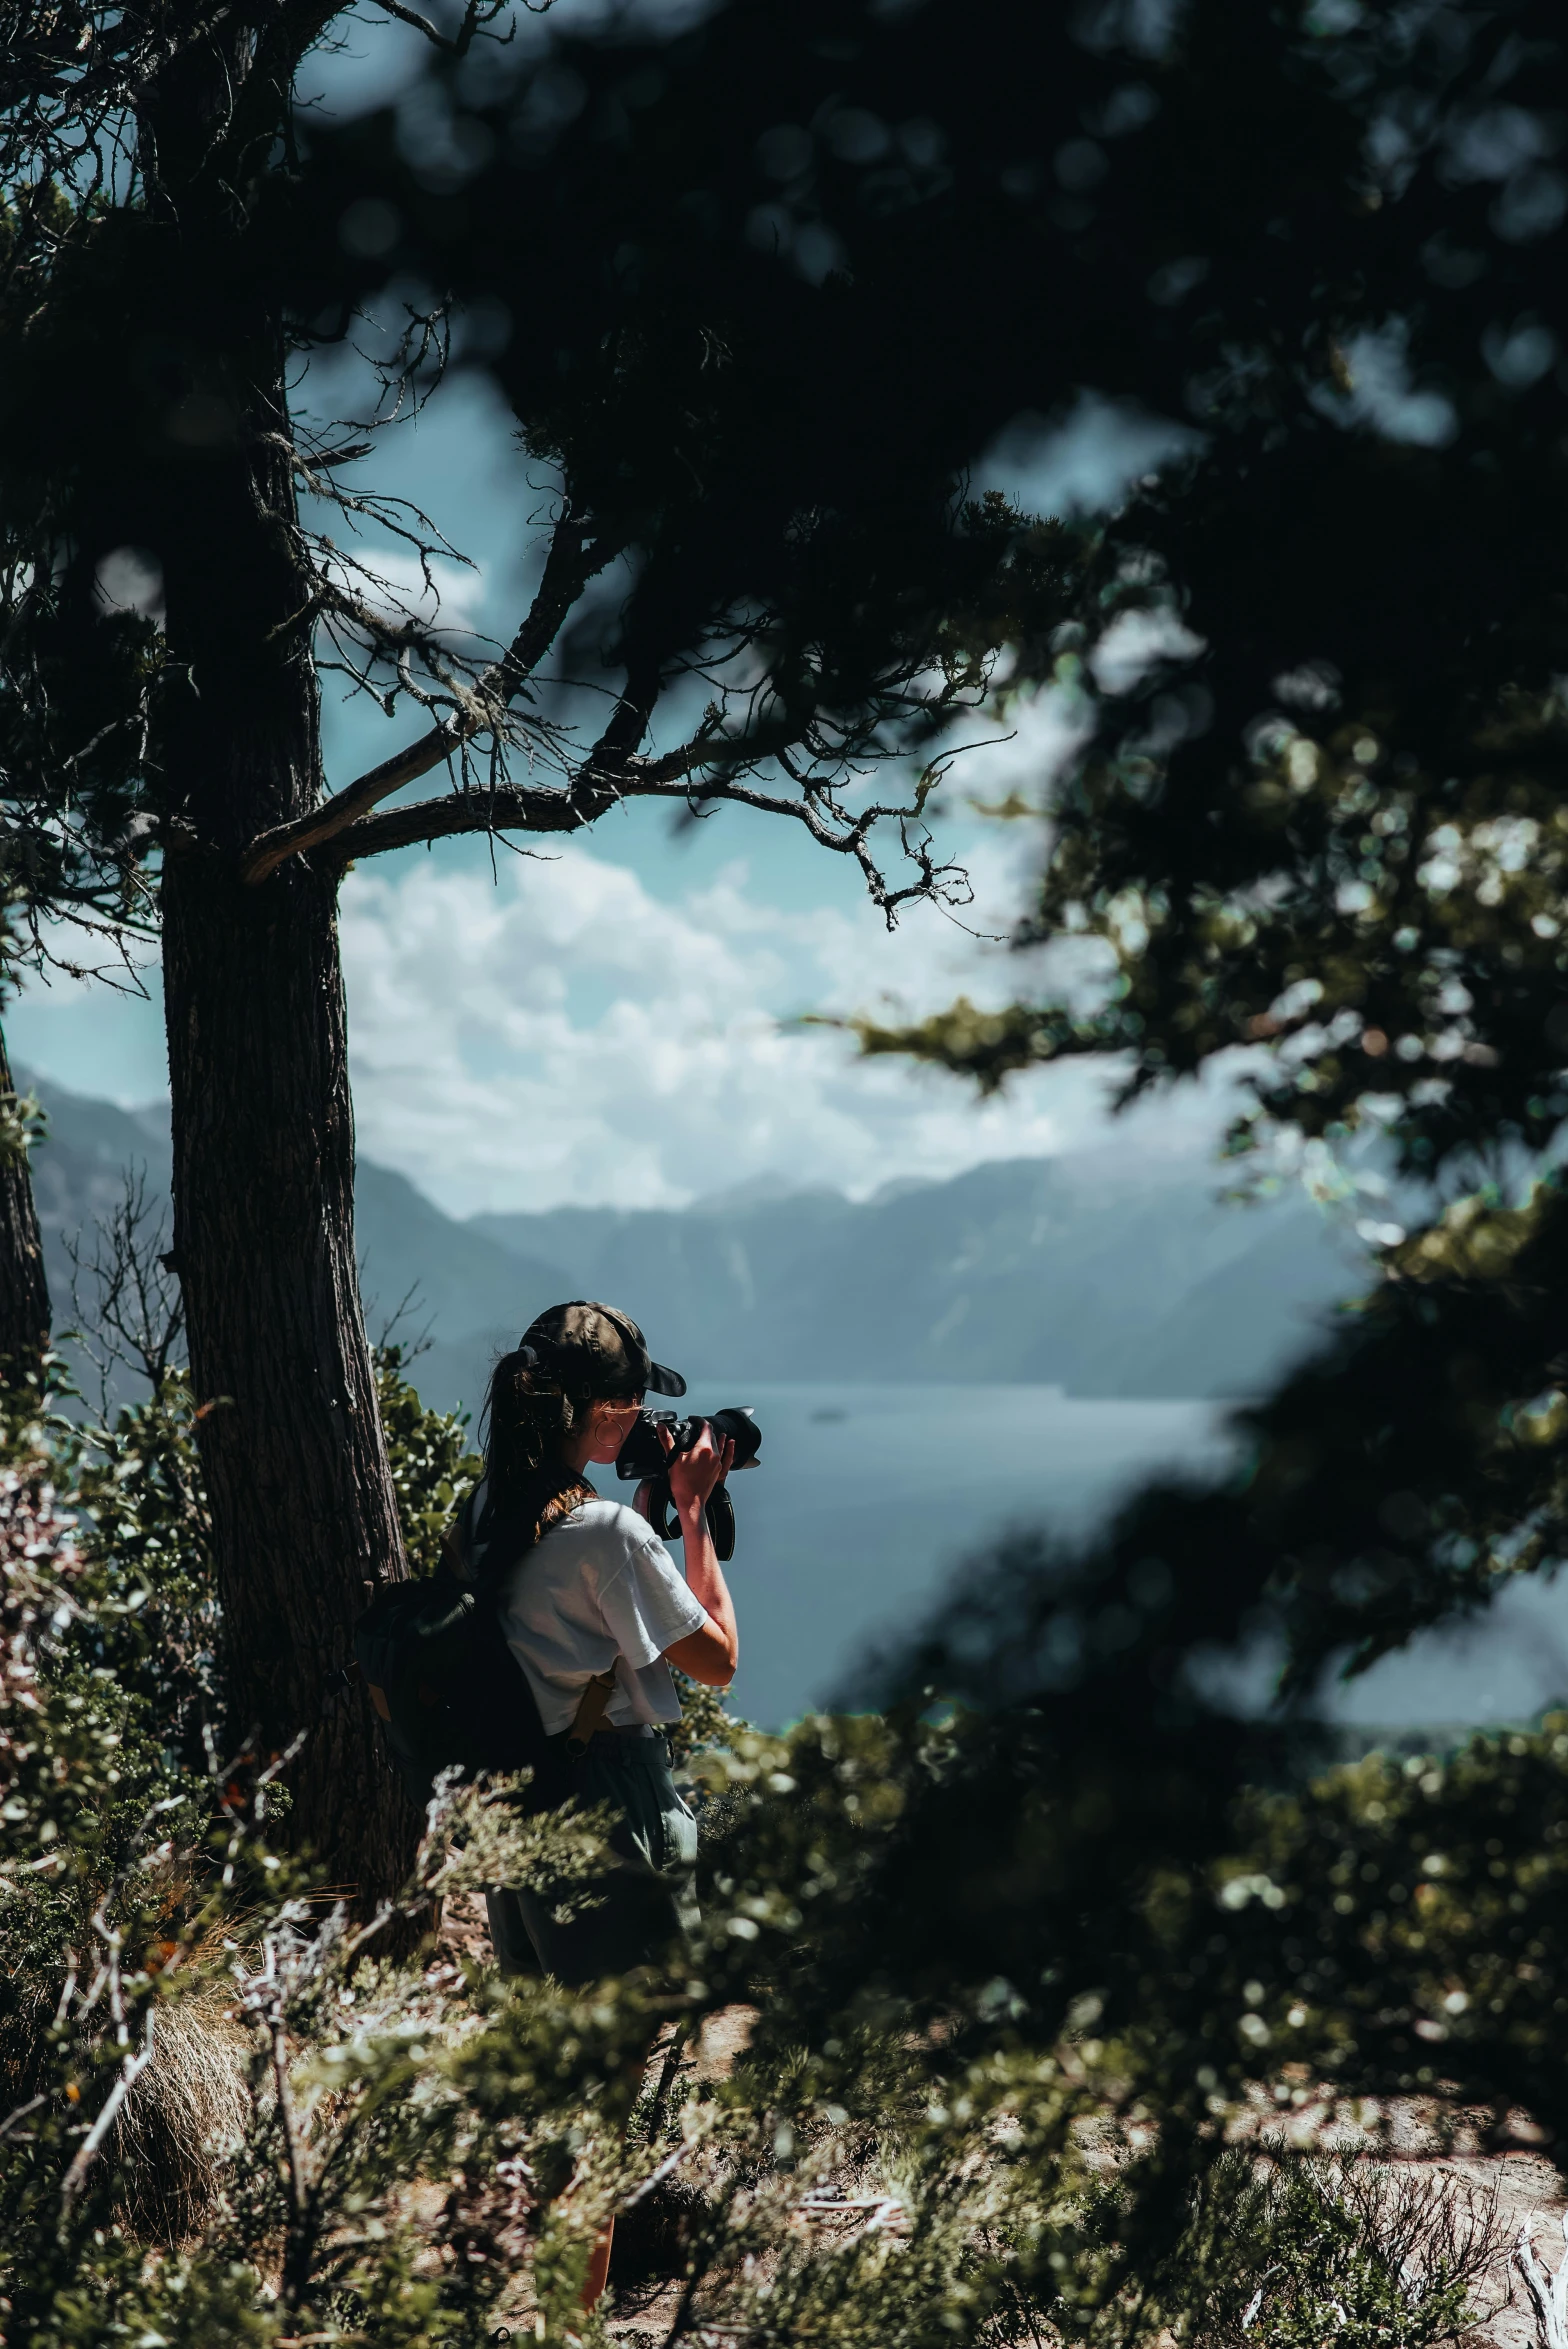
pixel 1326 813
pixel 1321 818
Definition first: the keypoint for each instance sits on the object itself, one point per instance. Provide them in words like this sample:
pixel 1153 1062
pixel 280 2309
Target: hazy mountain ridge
pixel 79 1172
pixel 1107 1274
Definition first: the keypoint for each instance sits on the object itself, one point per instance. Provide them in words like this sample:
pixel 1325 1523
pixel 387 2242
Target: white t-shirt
pixel 600 1589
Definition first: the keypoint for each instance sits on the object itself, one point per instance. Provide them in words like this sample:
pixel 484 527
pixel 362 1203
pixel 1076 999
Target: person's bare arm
pixel 711 1653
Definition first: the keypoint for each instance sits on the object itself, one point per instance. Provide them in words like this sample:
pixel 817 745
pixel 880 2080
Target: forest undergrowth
pixel 228 2117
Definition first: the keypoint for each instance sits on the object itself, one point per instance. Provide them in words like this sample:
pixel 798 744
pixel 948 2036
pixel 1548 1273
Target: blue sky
pixel 614 1018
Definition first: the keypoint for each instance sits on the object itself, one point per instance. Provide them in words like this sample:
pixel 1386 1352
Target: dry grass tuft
pixel 185 2117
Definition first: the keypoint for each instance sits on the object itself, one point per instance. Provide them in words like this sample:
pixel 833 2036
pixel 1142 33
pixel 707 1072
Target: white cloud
pixel 396 584
pixel 586 1028
pixel 589 1029
pixel 564 1034
pixel 1083 461
pixel 131 580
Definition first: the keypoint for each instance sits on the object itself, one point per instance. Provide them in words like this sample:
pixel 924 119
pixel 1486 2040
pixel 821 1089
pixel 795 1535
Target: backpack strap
pixel 486 1542
pixel 591 1710
pixel 505 1540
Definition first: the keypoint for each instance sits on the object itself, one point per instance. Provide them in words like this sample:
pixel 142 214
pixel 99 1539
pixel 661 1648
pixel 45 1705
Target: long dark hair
pixel 526 1421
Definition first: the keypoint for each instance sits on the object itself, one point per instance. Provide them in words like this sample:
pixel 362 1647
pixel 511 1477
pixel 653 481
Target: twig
pixel 130 2071
pixel 1549 2292
pixel 655 2177
pixel 68 1992
pixel 20 2114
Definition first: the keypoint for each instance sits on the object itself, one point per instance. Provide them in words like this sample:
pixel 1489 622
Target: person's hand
pixel 694 1474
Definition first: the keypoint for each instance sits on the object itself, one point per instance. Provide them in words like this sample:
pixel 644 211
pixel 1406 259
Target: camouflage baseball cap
pixel 594 1350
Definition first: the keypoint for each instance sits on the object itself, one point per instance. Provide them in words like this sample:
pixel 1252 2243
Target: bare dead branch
pixel 124 1297
pixel 508 808
pixel 1548 2291
pixel 14 2120
pixel 476 15
pixel 572 561
pixel 135 2060
pixel 87 2152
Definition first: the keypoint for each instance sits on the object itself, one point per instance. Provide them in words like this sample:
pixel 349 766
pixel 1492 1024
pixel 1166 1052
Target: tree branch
pixel 509 809
pixel 610 772
pixel 503 808
pixel 572 561
pixel 476 14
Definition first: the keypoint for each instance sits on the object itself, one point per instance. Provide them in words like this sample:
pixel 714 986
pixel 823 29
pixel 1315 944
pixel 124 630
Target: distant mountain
pixel 1105 1273
pixel 1108 1273
pixel 456 1279
pixel 79 1171
pixel 443 1274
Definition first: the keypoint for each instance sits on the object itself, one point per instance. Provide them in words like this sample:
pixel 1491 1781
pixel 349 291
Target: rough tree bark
pixel 24 1287
pixel 304 1515
pixel 303 1508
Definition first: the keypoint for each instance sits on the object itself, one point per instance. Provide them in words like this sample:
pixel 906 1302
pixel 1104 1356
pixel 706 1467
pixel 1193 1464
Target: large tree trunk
pixel 304 1514
pixel 303 1508
pixel 24 1288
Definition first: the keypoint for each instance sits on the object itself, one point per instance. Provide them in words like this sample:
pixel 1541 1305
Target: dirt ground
pixel 642 2313
pixel 1481 2152
pixel 1484 2154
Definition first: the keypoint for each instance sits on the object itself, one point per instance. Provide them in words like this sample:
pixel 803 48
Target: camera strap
pixel 719 1510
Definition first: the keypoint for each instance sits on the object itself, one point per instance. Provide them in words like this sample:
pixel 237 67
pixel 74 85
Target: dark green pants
pixel 641 1906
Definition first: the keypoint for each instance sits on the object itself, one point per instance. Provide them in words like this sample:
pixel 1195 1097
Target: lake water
pixel 869 1500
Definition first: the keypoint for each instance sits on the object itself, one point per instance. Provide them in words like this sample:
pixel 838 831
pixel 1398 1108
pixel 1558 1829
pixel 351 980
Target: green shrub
pixel 228 2120
pixel 433 1464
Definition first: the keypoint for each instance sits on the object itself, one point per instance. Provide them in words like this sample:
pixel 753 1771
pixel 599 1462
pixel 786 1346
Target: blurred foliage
pixel 1315 801
pixel 965 2107
pixel 22 1123
pixel 705 1719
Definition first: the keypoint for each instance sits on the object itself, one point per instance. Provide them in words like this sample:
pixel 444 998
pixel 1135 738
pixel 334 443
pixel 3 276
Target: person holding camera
pixel 595 1612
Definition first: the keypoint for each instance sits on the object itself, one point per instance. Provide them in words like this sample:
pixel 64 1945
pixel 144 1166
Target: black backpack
pixel 441 1676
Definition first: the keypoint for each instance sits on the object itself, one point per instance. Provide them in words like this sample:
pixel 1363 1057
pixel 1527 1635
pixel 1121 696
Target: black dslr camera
pixel 643 1458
